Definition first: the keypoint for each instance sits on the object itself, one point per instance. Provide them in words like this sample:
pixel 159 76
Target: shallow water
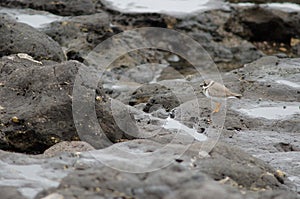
pixel 288 7
pixel 174 124
pixel 36 19
pixel 165 6
pixel 185 6
pixel 288 83
pixel 158 5
pixel 272 112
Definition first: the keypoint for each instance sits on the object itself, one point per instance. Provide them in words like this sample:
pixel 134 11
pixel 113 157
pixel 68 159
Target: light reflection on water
pixel 165 6
pixel 288 83
pixel 33 18
pixel 272 112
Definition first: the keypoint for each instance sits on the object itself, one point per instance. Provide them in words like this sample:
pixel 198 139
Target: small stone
pixel 54 196
pixel 227 180
pixel 54 139
pixel 282 49
pixel 280 173
pixel 15 119
pixel 294 41
pixel 99 98
pixel 189 77
pixel 97 189
pixel 173 58
pixel 203 154
pixel 28 57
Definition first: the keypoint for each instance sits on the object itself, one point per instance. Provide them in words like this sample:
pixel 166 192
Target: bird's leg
pixel 217 109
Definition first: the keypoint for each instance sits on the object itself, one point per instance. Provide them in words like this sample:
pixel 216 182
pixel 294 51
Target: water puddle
pixel 289 7
pixel 150 124
pixel 165 6
pixel 272 113
pixel 174 124
pixel 36 19
pixel 284 6
pixel 288 83
pixel 185 6
pixel 122 86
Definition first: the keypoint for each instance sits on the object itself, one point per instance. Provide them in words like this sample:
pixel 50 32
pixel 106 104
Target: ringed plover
pixel 215 90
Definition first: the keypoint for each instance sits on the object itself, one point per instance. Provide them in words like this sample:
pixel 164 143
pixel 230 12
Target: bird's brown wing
pixel 219 90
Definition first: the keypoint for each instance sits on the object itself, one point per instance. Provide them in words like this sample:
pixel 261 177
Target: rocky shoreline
pixel 68 133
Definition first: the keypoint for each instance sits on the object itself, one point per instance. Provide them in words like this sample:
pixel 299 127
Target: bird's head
pixel 205 83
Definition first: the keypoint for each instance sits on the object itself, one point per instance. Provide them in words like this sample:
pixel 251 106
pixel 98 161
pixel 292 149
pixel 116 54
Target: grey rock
pixel 184 177
pixel 63 7
pixel 84 174
pixel 210 30
pixel 265 76
pixel 73 146
pixel 18 37
pixel 244 169
pixel 8 192
pixel 80 34
pixel 37 108
pixel 255 22
pixel 278 148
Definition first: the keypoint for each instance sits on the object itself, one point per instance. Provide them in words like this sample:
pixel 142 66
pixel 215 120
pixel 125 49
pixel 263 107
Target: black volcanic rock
pixel 36 105
pixel 18 37
pixel 61 7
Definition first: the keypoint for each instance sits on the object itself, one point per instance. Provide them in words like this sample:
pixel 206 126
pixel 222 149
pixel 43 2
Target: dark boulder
pixel 61 7
pixel 18 37
pixel 36 105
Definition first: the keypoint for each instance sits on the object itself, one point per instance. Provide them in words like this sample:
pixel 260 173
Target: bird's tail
pixel 234 95
pixel 239 96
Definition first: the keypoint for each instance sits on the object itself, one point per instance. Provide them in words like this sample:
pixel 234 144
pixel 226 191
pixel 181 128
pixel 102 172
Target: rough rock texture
pixel 36 105
pixel 18 37
pixel 8 192
pixel 268 84
pixel 81 176
pixel 80 34
pixel 65 146
pixel 254 24
pixel 245 171
pixel 211 33
pixel 266 76
pixel 61 7
pixel 154 97
pixel 207 28
pixel 185 176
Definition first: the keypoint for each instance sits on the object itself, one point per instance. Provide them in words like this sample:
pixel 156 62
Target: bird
pixel 215 90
